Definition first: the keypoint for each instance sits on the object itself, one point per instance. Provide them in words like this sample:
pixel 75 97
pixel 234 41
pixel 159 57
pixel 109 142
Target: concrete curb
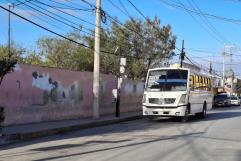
pixel 14 138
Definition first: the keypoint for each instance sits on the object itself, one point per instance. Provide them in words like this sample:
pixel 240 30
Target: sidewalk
pixel 26 132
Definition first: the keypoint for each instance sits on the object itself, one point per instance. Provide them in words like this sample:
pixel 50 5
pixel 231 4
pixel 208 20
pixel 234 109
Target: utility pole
pixel 182 56
pixel 117 105
pixel 122 64
pixel 210 68
pixel 9 29
pixel 223 81
pixel 232 76
pixel 96 76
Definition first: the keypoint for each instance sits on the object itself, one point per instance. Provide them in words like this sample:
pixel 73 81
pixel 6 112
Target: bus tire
pixel 185 117
pixel 203 114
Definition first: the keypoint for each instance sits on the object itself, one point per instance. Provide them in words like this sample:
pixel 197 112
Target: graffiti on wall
pixel 54 91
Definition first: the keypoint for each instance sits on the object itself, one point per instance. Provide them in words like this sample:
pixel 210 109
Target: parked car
pixel 235 101
pixel 222 100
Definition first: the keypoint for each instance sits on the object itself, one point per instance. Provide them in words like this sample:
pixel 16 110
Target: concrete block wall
pixel 37 94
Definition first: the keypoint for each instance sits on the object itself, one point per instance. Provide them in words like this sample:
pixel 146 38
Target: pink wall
pixel 36 94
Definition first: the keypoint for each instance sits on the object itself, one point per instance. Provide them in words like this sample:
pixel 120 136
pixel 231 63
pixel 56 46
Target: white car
pixel 235 101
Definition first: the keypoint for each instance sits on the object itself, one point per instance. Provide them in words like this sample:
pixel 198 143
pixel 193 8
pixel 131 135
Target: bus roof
pixel 175 68
pixel 168 68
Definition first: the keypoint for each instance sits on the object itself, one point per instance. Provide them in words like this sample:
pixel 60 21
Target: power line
pixel 201 51
pixel 139 11
pixel 194 18
pixel 214 62
pixel 21 3
pixel 125 9
pixel 230 20
pixel 190 60
pixel 207 22
pixel 42 27
pixel 113 4
pixel 52 23
pixel 153 25
pixel 75 23
pixel 71 7
pixel 116 21
pixel 70 25
pixel 65 13
pixel 54 7
pixel 59 19
pixel 55 33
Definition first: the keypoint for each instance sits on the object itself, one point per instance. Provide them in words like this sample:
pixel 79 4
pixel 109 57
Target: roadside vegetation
pixel 145 47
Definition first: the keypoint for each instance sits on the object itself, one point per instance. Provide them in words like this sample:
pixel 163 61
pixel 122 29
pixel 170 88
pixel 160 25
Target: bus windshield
pixel 167 80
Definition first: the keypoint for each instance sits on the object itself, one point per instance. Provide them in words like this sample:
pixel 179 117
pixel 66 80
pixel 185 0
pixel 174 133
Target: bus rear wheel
pixel 203 114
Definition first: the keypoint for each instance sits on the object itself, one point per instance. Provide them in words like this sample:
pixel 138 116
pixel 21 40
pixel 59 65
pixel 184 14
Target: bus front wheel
pixel 185 117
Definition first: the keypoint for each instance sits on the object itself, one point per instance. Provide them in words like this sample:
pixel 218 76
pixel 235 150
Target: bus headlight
pixel 182 100
pixel 144 98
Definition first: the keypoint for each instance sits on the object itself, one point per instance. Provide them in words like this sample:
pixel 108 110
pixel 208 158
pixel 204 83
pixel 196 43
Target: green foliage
pixel 82 60
pixel 8 61
pixel 58 52
pixel 32 58
pixel 62 53
pixel 149 45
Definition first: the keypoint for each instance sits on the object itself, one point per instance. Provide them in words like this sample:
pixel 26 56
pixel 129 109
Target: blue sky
pixel 200 44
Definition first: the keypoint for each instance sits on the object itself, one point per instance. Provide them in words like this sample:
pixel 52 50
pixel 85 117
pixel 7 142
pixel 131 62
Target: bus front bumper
pixel 163 111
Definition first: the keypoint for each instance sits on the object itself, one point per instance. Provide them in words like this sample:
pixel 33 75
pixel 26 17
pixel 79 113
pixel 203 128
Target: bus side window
pixel 191 83
pixel 209 84
pixel 196 84
pixel 206 84
pixel 200 83
pixel 203 84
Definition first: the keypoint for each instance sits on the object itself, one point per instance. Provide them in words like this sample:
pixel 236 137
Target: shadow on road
pixel 222 115
pixel 125 128
pixel 163 138
pixel 226 108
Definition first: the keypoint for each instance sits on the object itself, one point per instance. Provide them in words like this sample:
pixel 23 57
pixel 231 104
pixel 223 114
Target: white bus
pixel 176 92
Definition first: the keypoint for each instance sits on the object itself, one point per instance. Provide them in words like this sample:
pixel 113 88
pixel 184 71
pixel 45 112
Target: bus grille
pixel 162 101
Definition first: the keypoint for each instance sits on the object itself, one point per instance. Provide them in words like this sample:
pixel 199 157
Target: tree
pixel 62 53
pixel 57 51
pixel 8 61
pixel 108 62
pixel 144 43
pixel 147 41
pixel 32 58
pixel 82 59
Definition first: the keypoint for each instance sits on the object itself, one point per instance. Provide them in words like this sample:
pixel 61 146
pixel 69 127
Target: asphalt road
pixel 216 138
